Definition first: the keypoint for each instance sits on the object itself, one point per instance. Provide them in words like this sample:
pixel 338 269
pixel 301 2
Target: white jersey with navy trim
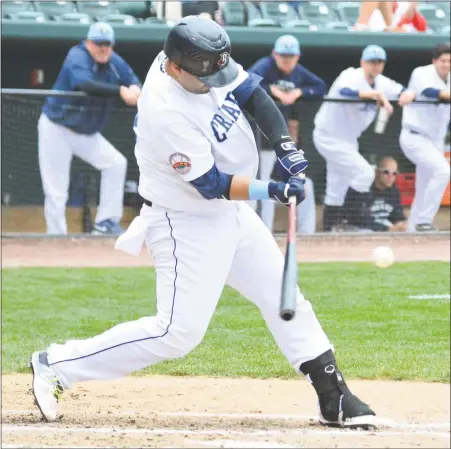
pixel 349 121
pixel 427 119
pixel 181 135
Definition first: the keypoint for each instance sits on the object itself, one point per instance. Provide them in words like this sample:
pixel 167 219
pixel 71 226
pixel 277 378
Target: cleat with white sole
pixel 47 389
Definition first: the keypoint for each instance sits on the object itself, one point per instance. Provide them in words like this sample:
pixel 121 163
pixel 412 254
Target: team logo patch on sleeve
pixel 180 162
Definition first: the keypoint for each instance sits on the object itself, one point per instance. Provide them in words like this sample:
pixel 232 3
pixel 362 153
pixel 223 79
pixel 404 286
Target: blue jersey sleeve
pixel 243 92
pixel 312 85
pixel 213 184
pixel 126 73
pixel 77 65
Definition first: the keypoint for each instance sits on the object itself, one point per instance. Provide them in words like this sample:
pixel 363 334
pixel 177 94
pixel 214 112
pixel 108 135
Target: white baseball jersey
pixel 429 120
pixel 348 121
pixel 181 135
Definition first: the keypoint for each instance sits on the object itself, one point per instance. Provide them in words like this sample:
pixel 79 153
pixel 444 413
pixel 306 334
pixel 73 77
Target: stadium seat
pixel 15 7
pixel 345 26
pixel 300 24
pixel 445 5
pixel 28 16
pixel 123 19
pixel 97 9
pixel 136 9
pixel 233 13
pixel 252 11
pixel 260 22
pixel 280 12
pixel 348 12
pixel 318 13
pixel 74 17
pixel 52 9
pixel 154 21
pixel 436 17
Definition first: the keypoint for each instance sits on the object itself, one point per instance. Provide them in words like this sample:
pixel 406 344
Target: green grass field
pixel 377 331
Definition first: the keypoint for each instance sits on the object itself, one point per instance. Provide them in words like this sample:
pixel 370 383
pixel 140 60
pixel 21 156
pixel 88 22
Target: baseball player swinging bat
pixel 290 269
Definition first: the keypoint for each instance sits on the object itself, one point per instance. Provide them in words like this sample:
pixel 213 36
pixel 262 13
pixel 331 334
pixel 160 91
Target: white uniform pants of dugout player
pixel 57 146
pixel 195 255
pixel 345 167
pixel 432 176
pixel 305 212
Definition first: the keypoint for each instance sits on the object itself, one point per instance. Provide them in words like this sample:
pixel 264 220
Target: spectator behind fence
pixel 72 126
pixel 194 8
pixel 385 211
pixel 338 127
pixel 400 17
pixel 422 140
pixel 286 81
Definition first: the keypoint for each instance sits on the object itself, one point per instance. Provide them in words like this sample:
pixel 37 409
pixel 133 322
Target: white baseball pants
pixel 57 146
pixel 195 255
pixel 432 176
pixel 345 167
pixel 306 211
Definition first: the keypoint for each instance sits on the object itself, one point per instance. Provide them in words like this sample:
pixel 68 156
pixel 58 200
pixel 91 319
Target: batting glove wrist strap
pixel 290 160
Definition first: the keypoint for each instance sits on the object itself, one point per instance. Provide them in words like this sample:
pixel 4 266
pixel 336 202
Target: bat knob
pixel 287 315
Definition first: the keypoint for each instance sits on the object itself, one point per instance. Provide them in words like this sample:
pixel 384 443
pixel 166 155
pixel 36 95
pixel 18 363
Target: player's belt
pixel 146 202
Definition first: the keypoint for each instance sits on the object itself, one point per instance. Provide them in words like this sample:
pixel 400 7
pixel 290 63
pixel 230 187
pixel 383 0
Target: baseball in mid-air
pixel 383 256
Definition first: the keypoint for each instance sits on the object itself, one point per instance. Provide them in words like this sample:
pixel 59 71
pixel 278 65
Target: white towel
pixel 131 242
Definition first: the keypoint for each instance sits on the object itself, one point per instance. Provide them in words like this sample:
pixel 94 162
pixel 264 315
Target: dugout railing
pixel 22 195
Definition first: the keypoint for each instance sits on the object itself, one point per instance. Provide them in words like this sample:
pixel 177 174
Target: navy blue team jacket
pixel 300 77
pixel 86 115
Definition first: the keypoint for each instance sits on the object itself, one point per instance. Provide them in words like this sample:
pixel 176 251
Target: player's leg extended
pixel 192 260
pixel 55 156
pixel 98 152
pixel 256 273
pixel 267 161
pixel 433 174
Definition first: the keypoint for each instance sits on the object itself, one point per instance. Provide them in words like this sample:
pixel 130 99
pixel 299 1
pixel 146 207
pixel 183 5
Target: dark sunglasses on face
pixel 388 172
pixel 103 44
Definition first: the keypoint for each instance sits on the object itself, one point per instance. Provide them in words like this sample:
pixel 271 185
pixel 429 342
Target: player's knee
pixel 183 339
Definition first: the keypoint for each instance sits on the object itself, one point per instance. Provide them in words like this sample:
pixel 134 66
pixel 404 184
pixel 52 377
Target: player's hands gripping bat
pixel 290 269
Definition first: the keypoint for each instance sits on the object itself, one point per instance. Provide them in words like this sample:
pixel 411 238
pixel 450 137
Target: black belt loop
pixel 146 202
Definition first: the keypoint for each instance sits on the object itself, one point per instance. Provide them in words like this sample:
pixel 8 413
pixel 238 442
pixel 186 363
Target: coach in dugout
pixel 385 209
pixel 287 81
pixel 71 126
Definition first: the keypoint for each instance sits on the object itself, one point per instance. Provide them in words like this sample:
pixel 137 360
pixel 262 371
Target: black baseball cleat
pixel 338 407
pixel 346 411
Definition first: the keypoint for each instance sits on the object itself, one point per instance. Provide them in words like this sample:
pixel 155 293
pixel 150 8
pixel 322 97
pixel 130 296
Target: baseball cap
pixel 101 32
pixel 374 52
pixel 287 45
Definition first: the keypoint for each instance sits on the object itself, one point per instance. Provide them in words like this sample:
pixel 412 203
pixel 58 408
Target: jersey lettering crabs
pixel 228 114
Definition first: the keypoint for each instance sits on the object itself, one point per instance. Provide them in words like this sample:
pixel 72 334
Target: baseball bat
pixel 290 269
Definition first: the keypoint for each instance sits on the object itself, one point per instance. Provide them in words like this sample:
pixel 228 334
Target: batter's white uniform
pixel 338 127
pixel 422 140
pixel 198 245
pixel 57 145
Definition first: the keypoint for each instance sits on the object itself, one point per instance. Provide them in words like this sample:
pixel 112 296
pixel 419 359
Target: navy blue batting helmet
pixel 202 48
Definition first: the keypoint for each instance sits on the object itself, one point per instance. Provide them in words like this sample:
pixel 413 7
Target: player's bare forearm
pixel 445 95
pixel 239 188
